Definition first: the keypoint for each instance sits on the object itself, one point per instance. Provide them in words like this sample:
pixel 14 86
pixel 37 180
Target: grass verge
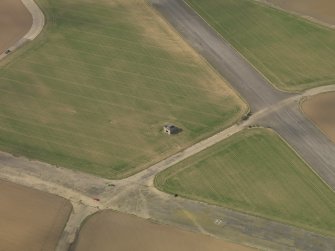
pixel 257 173
pixel 293 53
pixel 94 91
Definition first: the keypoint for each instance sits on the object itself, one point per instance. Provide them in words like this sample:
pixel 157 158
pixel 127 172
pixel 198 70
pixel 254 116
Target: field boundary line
pixel 143 48
pixel 306 18
pixel 300 157
pixel 188 64
pixel 105 26
pixel 114 70
pixel 57 143
pixel 160 91
pixel 108 103
pixel 110 81
pixel 123 50
pixel 226 133
pixel 127 61
pixel 36 28
pixel 301 101
pixel 118 72
pixel 24 121
pixel 244 104
pixel 112 10
pixel 125 95
pixel 238 53
pixel 118 29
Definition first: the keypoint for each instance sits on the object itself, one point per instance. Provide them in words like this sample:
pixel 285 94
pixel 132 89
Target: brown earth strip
pixel 321 110
pixel 15 22
pixel 322 10
pixel 30 219
pixel 109 230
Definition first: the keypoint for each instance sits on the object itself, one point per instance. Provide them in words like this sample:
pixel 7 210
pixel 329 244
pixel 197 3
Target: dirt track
pixel 321 10
pixel 30 219
pixel 15 22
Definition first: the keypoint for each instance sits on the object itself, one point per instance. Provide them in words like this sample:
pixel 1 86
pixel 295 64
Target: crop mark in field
pixel 209 80
pixel 113 81
pixel 114 70
pixel 106 103
pixel 119 71
pixel 182 63
pixel 126 108
pixel 128 62
pixel 147 45
pixel 274 41
pixel 160 37
pixel 134 97
pixel 62 144
pixel 85 136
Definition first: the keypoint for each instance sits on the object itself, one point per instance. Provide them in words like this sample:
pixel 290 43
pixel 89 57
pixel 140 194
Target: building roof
pixel 170 126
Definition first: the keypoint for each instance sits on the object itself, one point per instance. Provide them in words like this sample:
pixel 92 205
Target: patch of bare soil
pixel 109 231
pixel 321 110
pixel 322 10
pixel 30 219
pixel 15 22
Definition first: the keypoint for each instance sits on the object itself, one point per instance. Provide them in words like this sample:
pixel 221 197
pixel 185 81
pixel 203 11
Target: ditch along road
pixel 137 195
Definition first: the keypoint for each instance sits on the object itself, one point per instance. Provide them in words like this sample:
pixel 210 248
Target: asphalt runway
pixel 137 195
pixel 252 86
pixel 308 141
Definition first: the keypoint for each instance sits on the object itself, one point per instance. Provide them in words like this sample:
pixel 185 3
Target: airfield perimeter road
pixel 138 196
pixel 309 142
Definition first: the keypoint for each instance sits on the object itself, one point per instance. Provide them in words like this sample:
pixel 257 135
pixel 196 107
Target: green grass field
pixel 293 53
pixel 255 172
pixel 93 92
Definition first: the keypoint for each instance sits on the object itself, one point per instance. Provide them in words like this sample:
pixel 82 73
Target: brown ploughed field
pixel 322 10
pixel 15 22
pixel 321 110
pixel 112 231
pixel 30 220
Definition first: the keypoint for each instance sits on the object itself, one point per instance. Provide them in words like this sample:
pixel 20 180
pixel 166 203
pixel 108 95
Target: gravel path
pixel 38 19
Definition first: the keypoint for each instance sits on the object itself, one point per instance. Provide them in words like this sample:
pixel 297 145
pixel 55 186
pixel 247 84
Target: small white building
pixel 170 129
